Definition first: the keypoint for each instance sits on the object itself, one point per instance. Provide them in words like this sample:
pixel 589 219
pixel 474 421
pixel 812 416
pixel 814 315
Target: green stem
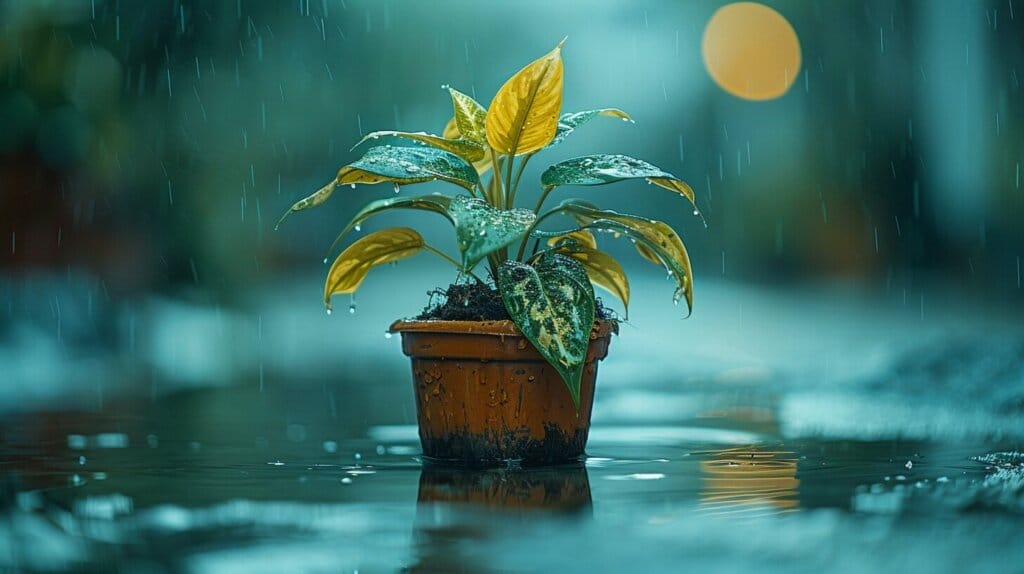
pixel 526 237
pixel 543 196
pixel 515 181
pixel 508 181
pixel 457 265
pixel 496 169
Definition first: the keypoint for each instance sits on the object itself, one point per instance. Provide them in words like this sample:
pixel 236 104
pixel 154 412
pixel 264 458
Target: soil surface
pixel 479 302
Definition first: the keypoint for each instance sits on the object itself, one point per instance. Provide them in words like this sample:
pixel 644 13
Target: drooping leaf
pixel 552 303
pixel 451 131
pixel 602 169
pixel 659 239
pixel 603 270
pixel 580 236
pixel 398 165
pixel 466 149
pixel 523 116
pixel 351 267
pixel 315 199
pixel 479 228
pixel 470 118
pixel 572 120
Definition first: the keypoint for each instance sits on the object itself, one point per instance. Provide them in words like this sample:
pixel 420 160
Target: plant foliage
pixel 548 293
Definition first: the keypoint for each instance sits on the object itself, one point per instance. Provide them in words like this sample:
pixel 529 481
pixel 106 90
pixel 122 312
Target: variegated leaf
pixel 552 303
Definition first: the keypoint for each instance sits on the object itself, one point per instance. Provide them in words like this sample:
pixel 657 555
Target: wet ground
pixel 771 432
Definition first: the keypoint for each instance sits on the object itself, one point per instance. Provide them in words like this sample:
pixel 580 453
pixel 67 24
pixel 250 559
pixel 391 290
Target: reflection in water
pixel 458 506
pixel 749 481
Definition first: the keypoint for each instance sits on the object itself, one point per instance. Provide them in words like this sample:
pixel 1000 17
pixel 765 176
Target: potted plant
pixel 513 378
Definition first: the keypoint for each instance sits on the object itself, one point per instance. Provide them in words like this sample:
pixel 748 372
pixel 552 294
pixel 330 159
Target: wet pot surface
pixel 485 396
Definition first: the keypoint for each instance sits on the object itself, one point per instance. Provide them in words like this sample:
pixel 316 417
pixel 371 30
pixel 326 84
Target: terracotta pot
pixel 484 395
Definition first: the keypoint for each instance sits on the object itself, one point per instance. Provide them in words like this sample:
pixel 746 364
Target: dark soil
pixel 479 302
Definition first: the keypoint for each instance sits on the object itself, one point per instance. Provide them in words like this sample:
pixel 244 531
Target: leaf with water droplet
pixel 468 150
pixel 481 229
pixel 602 169
pixel 380 247
pixel 659 240
pixel 572 120
pixel 398 165
pixel 523 116
pixel 552 304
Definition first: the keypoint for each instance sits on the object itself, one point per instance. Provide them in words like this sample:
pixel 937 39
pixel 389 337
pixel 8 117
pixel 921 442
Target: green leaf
pixel 464 148
pixel 552 303
pixel 602 169
pixel 479 228
pixel 572 120
pixel 470 117
pixel 398 165
pixel 657 237
pixel 352 266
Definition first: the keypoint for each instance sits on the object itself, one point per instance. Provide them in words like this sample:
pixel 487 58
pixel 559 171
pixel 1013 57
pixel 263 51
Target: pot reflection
pixel 452 501
pixel 749 481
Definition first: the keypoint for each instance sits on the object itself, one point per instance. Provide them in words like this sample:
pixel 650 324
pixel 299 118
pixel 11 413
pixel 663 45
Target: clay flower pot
pixel 484 395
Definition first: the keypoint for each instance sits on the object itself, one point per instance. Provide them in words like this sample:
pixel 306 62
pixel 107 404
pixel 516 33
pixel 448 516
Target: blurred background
pixel 147 148
pixel 858 294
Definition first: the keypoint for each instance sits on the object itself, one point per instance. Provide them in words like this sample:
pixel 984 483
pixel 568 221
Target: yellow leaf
pixel 451 131
pixel 351 267
pixel 470 117
pixel 582 237
pixel 679 187
pixel 648 254
pixel 604 271
pixel 523 116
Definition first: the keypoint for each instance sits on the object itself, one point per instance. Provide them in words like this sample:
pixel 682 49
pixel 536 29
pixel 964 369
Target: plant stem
pixel 496 169
pixel 509 192
pixel 543 196
pixel 515 180
pixel 526 237
pixel 458 266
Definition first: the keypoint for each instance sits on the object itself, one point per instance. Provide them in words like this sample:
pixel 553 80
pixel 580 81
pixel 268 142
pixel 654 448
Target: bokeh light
pixel 751 51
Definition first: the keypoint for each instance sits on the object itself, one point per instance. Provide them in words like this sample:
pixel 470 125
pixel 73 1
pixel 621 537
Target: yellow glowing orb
pixel 751 51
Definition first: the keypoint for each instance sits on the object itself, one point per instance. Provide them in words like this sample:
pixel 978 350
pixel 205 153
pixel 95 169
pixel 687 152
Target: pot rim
pixel 504 327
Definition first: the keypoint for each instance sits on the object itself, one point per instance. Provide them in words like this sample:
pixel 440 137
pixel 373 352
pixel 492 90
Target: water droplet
pixel 358 456
pixel 352 309
pixel 388 335
pixel 396 187
pixel 325 260
pixel 445 86
pixel 909 465
pixel 695 212
pixel 81 460
pixel 346 480
pixel 329 310
pixel 357 228
pixel 483 233
pixel 352 185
